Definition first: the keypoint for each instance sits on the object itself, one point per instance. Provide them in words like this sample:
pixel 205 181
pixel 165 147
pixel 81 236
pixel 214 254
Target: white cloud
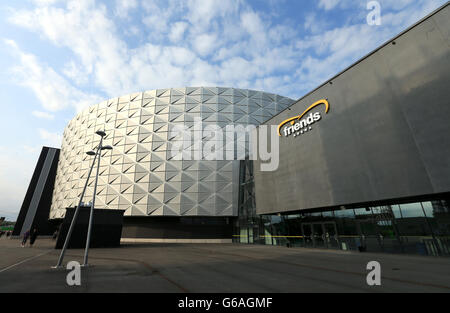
pixel 207 41
pixel 395 4
pixel 328 4
pixel 251 23
pixel 76 73
pixel 44 115
pixel 311 23
pixel 31 150
pixel 204 44
pixel 156 25
pixel 45 2
pixel 361 5
pixel 202 12
pixel 158 15
pixel 50 139
pixel 84 28
pixel 177 31
pixel 54 91
pixel 123 7
pixel 16 169
pixel 204 29
pixel 329 52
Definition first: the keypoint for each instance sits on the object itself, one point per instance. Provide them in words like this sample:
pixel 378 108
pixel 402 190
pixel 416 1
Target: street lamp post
pixel 91 215
pixel 77 210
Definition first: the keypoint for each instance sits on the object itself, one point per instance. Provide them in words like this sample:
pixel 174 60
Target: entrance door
pixel 319 236
pixel 307 235
pixel 369 236
pixel 331 235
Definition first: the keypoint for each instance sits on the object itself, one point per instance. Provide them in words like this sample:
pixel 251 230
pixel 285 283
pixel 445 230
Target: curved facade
pixel 139 175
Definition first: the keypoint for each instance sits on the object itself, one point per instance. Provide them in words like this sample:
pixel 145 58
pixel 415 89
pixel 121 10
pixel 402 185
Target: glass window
pixel 428 208
pixel 250 235
pixel 414 222
pixel 384 212
pixel 383 215
pixel 438 215
pixel 344 214
pixel 275 219
pixel 416 229
pixel 278 226
pixel 294 225
pixel 345 221
pixel 244 235
pixel 312 217
pixel 412 210
pixel 363 213
pixel 396 211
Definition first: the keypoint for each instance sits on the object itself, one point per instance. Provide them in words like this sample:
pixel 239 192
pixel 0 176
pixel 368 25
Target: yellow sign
pixel 299 126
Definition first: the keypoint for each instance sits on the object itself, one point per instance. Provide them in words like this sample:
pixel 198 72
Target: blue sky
pixel 59 56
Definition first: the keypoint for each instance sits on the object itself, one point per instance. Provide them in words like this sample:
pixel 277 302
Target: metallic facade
pixel 385 137
pixel 37 201
pixel 138 175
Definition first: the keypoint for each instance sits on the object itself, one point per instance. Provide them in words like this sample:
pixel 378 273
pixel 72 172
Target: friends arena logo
pixel 302 123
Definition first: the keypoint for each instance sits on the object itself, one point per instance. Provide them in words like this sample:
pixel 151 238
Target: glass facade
pixel 413 228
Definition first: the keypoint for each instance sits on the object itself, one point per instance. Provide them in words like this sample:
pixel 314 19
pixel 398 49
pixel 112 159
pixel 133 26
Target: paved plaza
pixel 225 268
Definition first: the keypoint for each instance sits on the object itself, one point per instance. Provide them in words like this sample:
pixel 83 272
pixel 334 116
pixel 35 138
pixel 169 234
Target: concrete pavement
pixel 226 268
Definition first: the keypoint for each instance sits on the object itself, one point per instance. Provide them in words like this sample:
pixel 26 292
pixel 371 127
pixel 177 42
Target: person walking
pixel 25 238
pixel 33 236
pixel 55 234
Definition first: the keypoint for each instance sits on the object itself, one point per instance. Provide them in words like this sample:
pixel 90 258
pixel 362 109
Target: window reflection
pixel 414 222
pixel 345 214
pixel 363 213
pixel 412 210
pixel 438 213
pixel 417 228
pixel 345 220
pixel 396 211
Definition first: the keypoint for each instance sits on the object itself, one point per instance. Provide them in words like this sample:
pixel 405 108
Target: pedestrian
pixel 55 234
pixel 25 238
pixel 33 236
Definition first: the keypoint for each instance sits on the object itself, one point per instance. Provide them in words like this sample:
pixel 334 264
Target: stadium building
pixel 364 159
pixel 373 172
pixel 163 198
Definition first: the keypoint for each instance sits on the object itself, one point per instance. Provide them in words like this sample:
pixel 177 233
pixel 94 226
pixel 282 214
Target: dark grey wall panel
pixel 387 134
pixel 163 227
pixel 35 209
pixel 106 228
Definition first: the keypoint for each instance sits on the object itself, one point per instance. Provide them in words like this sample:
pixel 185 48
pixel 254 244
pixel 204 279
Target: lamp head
pixel 100 133
pixel 91 153
pixel 107 148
